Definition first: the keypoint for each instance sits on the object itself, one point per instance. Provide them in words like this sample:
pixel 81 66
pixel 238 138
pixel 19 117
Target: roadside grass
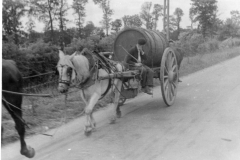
pixel 42 114
pixel 192 64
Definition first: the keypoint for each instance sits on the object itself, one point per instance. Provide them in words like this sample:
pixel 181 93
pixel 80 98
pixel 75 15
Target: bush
pixel 107 43
pixel 208 46
pixel 230 42
pixel 9 50
pixel 193 43
pixel 79 44
pixel 190 41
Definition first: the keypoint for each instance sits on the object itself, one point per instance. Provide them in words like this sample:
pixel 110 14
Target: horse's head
pixel 66 71
pixel 71 68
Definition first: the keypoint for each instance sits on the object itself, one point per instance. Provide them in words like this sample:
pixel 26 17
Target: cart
pixel 160 58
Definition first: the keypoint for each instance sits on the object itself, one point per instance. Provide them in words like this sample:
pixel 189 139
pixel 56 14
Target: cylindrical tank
pixel 154 48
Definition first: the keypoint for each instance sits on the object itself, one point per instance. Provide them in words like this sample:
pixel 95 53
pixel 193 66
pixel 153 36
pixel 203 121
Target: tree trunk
pixel 51 22
pixel 61 27
pixel 79 26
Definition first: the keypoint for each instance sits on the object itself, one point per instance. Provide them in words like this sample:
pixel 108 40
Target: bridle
pixel 69 74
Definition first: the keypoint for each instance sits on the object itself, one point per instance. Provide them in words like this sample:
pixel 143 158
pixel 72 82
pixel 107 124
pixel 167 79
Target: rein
pixel 98 61
pixel 25 94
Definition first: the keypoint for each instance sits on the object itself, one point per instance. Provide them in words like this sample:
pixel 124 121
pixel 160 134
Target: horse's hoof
pixel 112 121
pixel 29 152
pixel 88 131
pixel 119 114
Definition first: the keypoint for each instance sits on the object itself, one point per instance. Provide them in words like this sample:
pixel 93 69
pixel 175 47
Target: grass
pixel 42 114
pixel 192 64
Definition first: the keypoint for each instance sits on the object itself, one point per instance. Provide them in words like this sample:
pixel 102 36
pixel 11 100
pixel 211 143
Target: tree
pixel 116 25
pixel 30 25
pixel 178 14
pixel 62 11
pixel 132 21
pixel 228 29
pixel 204 12
pixel 107 13
pixel 235 16
pixel 45 11
pixel 79 9
pixel 157 12
pixel 88 29
pixel 32 35
pixel 191 17
pixel 12 11
pixel 99 31
pixel 146 15
pixel 150 18
pixel 172 23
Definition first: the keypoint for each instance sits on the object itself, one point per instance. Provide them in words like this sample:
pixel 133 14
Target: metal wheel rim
pixel 169 76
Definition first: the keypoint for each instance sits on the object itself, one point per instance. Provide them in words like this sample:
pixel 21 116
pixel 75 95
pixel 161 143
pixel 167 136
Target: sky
pixel 131 7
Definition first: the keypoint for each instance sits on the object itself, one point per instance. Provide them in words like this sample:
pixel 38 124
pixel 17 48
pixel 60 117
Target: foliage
pixel 9 50
pixel 204 12
pixel 99 31
pixel 88 29
pixel 46 12
pixel 178 13
pixel 61 14
pixel 106 43
pixel 116 25
pixel 107 13
pixel 12 11
pixel 132 21
pixel 235 16
pixel 190 41
pixel 208 46
pixel 229 43
pixel 79 44
pixel 230 27
pixel 150 18
pixel 37 58
pixel 157 12
pixel 79 9
pixel 146 15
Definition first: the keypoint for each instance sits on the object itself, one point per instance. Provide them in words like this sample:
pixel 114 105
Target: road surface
pixel 203 124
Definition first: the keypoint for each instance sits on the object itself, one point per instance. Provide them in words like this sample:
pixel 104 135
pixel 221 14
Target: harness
pixel 96 62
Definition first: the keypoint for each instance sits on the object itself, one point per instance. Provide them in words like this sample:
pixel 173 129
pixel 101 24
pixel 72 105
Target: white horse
pixel 75 69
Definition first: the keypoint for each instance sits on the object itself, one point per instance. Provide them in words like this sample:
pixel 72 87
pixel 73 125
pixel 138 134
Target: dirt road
pixel 203 124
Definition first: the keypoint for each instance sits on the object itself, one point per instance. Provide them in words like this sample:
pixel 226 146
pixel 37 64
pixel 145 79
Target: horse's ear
pixel 61 54
pixel 83 51
pixel 71 57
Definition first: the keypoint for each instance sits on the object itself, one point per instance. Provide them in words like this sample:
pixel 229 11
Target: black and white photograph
pixel 120 80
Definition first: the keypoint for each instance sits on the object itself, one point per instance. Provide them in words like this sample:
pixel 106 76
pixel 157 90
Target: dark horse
pixel 12 81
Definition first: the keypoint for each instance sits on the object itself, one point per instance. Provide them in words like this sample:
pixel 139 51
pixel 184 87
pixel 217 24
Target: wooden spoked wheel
pixel 169 76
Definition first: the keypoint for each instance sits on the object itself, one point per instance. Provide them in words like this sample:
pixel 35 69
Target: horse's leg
pixel 83 97
pixel 118 112
pixel 116 109
pixel 16 114
pixel 90 124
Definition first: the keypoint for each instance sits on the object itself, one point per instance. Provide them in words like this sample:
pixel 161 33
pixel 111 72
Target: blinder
pixel 69 75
